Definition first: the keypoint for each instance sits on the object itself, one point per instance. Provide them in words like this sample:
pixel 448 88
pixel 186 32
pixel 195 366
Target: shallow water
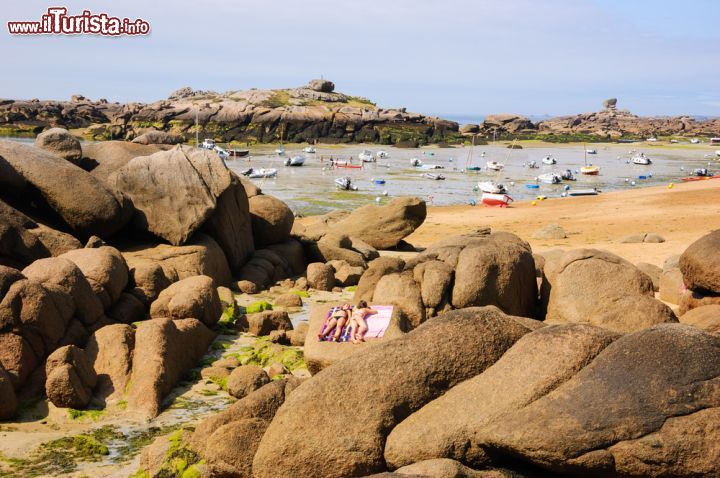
pixel 310 189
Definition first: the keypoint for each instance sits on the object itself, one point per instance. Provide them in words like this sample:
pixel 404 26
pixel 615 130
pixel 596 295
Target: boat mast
pixel 197 128
pixel 468 161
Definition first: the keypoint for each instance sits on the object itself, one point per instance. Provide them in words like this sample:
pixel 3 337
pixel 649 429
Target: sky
pixel 450 57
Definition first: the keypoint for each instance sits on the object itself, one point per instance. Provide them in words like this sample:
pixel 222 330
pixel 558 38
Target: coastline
pixel 680 215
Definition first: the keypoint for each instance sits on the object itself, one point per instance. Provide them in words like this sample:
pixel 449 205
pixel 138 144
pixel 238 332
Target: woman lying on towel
pixel 337 321
pixel 358 324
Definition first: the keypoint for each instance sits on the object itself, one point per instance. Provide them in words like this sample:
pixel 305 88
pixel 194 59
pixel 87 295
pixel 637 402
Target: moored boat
pixel 494 165
pixel 262 173
pixel 591 151
pixel 382 155
pixel 345 183
pixel 238 153
pixel 567 175
pixel 295 161
pixel 498 200
pixel 590 170
pixel 415 162
pixel 431 166
pixel 583 192
pixel 366 156
pixel 492 187
pixel 550 160
pixel 549 178
pixel 347 164
pixel 641 159
pixel 434 176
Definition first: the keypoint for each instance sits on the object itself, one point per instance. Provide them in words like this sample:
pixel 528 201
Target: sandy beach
pixel 681 215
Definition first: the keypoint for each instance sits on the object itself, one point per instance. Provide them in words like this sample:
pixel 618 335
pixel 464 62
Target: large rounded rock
pixel 158 137
pixel 378 388
pixel 706 318
pixel 700 263
pixel 173 192
pixel 61 143
pixel 230 225
pixel 653 272
pixel 401 290
pixel 435 279
pixel 497 270
pixel 265 322
pixel 383 227
pixel 87 207
pixel 105 269
pixel 61 274
pixel 320 276
pixel 18 358
pixel 105 157
pixel 233 445
pixel 194 297
pixel 600 288
pixel 630 412
pixel 245 380
pixel 375 271
pixel 272 220
pixel 539 362
pixel 110 351
pixel 70 378
pixel 8 400
pixel 164 350
pixel 341 247
pixel 18 245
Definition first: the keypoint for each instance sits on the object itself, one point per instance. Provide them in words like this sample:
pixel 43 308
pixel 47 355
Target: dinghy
pixel 494 165
pixel 347 164
pixel 497 200
pixel 641 159
pixel 533 165
pixel 280 151
pixel 415 163
pixel 589 168
pixel 238 153
pixel 549 160
pixel 591 151
pixel 295 161
pixel 346 184
pixel 492 187
pixel 433 176
pixel 549 178
pixel 567 175
pixel 309 150
pixel 263 173
pixel 431 166
pixel 381 155
pixel 583 192
pixel 366 156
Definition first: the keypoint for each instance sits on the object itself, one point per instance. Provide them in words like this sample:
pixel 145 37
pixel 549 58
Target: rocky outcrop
pixel 270 265
pixel 172 192
pixel 700 264
pixel 158 137
pixel 192 298
pixel 246 379
pixel 105 157
pixel 380 386
pixel 70 378
pixel 88 207
pixel 105 269
pixel 272 220
pixel 320 276
pixel 110 351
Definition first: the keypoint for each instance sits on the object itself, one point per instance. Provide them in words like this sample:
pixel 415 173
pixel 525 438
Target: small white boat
pixel 415 163
pixel 309 150
pixel 590 170
pixel 263 173
pixel 592 151
pixel 652 140
pixel 295 161
pixel 494 165
pixel 695 141
pixel 702 173
pixel 345 183
pixel 434 176
pixel 382 155
pixel 549 178
pixel 532 164
pixel 221 152
pixel 280 151
pixel 431 166
pixel 208 144
pixel 549 160
pixel 492 187
pixel 583 192
pixel 717 153
pixel 641 159
pixel 366 156
pixel 501 200
pixel 567 175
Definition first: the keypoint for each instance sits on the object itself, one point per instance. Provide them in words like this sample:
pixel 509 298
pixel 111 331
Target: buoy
pixel 670 186
pixel 534 203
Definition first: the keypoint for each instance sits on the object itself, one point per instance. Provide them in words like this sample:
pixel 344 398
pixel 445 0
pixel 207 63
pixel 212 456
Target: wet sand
pixel 681 215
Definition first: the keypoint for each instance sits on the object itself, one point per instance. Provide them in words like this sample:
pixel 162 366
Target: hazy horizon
pixel 460 58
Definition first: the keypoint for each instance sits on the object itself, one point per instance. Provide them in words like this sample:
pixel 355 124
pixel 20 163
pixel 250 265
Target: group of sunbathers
pixel 346 315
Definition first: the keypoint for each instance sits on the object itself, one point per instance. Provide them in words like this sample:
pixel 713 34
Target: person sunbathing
pixel 337 321
pixel 359 327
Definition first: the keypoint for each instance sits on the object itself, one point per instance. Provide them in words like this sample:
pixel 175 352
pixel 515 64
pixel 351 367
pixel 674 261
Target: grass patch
pixel 85 414
pixel 351 288
pixel 258 306
pixel 264 352
pixel 58 456
pixel 277 99
pixel 180 460
pixel 302 293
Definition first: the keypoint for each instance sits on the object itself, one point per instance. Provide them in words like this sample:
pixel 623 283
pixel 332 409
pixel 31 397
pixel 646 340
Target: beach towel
pixel 377 324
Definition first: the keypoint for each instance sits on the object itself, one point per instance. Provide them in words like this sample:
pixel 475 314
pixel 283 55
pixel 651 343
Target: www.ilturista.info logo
pixel 57 22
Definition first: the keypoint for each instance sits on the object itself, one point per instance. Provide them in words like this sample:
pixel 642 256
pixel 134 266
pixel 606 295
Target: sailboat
pixel 591 170
pixel 281 150
pixel 468 161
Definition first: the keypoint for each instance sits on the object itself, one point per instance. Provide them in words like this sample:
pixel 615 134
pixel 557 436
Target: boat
pixel 583 192
pixel 280 151
pixel 717 153
pixel 415 162
pixel 695 141
pixel 295 161
pixel 431 166
pixel 641 159
pixel 494 165
pixel 550 178
pixel 532 186
pixel 345 183
pixel 366 156
pixel 549 160
pixel 309 150
pixel 382 155
pixel 498 200
pixel 208 143
pixel 589 169
pixel 434 176
pixel 347 164
pixel 221 152
pixel 702 173
pixel 591 151
pixel 699 178
pixel 532 164
pixel 567 175
pixel 473 168
pixel 238 153
pixel 379 181
pixel 262 173
pixel 492 187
